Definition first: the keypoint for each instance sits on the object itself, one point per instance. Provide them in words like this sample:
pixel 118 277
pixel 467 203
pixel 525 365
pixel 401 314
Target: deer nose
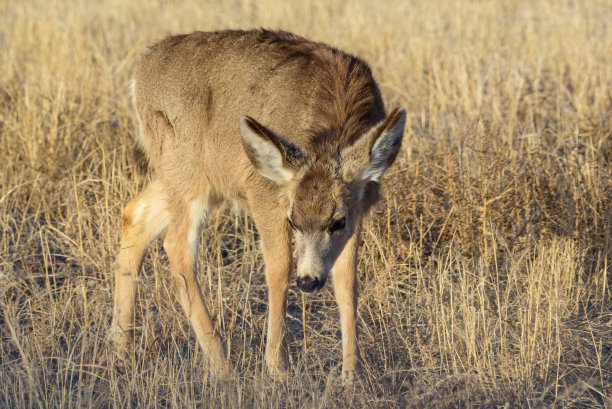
pixel 308 284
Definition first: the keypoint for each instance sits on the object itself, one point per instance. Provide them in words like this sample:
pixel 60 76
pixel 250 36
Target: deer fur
pixel 295 132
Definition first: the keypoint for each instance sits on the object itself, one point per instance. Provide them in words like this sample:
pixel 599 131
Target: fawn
pixel 308 175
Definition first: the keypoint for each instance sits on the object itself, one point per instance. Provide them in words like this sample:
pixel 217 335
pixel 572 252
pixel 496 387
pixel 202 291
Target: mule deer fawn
pixel 309 174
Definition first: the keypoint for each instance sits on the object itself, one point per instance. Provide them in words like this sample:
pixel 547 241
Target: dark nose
pixel 308 284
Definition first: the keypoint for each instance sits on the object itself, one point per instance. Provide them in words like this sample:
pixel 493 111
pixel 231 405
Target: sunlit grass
pixel 484 271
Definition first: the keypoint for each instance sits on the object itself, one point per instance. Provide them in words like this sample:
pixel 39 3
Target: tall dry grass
pixel 484 272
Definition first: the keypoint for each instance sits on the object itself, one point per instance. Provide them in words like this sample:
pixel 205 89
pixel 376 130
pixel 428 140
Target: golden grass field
pixel 484 271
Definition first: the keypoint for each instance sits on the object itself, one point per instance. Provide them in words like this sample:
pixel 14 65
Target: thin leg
pixel 181 245
pixel 144 218
pixel 345 290
pixel 276 240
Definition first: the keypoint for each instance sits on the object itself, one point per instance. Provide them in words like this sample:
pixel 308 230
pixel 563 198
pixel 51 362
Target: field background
pixel 484 271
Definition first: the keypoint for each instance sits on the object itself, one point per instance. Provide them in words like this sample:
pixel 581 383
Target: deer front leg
pixel 276 243
pixel 278 266
pixel 345 290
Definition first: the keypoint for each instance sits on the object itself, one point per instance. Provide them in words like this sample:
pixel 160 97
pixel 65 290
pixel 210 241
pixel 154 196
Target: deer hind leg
pixel 345 290
pixel 144 218
pixel 181 245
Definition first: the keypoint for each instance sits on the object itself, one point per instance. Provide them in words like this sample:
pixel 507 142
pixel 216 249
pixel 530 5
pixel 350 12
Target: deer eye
pixel 337 225
pixel 291 224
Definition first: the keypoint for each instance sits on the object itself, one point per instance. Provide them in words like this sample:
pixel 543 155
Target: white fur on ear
pixel 385 148
pixel 264 154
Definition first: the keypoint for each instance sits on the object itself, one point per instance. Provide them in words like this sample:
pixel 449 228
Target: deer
pixel 293 131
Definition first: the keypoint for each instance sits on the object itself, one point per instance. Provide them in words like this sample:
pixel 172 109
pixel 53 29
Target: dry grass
pixel 484 272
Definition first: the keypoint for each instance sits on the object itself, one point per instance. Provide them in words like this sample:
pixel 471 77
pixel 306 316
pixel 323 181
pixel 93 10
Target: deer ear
pixel 371 155
pixel 272 155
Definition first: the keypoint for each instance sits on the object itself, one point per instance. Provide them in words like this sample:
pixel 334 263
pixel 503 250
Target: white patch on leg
pixel 139 210
pixel 151 214
pixel 157 216
pixel 197 211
